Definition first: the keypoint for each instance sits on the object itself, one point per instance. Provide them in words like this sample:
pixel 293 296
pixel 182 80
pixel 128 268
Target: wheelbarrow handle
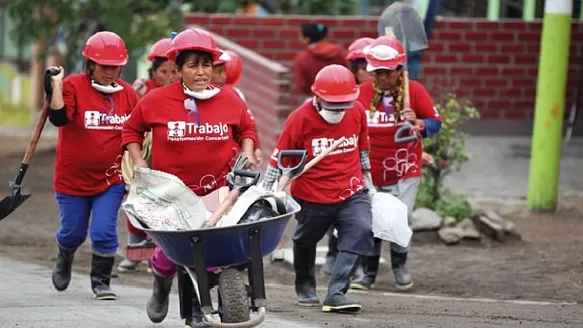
pixel 405 128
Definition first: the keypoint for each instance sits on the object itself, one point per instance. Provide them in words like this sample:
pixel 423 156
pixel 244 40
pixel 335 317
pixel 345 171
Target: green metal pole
pixel 581 11
pixel 543 182
pixel 494 9
pixel 529 10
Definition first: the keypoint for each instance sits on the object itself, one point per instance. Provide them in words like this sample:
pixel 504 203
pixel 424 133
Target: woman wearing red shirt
pixel 396 168
pixel 162 72
pixel 89 109
pixel 333 192
pixel 197 130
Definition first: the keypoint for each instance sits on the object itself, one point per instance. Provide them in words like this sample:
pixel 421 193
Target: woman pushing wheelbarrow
pixel 197 130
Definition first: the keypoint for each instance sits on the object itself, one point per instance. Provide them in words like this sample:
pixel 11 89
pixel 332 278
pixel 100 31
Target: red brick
pixel 526 60
pixel 489 114
pixel 484 92
pixel 288 32
pixel 511 47
pixel 525 104
pixel 472 59
pixel 524 82
pixel 237 32
pixel 448 36
pixel 511 72
pixel 503 36
pixel 529 37
pixel 446 58
pixel 273 44
pixel 273 21
pixel 433 70
pixel 487 71
pixel 499 59
pixel 436 47
pixel 251 44
pixel 464 70
pixel 202 20
pixel 494 83
pixel 352 23
pixel 485 47
pixel 459 47
pixel 535 26
pixel 533 48
pixel 265 33
pixel 499 104
pixel 477 36
pixel 245 21
pixel 471 82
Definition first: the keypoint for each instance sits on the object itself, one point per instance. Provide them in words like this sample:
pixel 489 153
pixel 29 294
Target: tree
pixel 69 23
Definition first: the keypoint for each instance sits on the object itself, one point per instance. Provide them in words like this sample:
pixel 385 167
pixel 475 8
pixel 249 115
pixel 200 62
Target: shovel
pixel 240 183
pixel 16 198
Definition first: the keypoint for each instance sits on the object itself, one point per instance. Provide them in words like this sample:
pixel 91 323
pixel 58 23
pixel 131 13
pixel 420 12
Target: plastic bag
pixel 389 219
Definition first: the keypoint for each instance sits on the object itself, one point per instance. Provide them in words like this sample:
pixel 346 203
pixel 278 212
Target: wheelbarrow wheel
pixel 234 296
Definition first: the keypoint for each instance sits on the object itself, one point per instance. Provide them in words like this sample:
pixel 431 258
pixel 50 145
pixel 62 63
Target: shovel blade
pixel 10 203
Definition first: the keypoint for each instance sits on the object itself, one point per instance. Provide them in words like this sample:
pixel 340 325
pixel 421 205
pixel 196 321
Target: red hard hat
pixel 356 47
pixel 106 48
pixel 386 52
pixel 193 39
pixel 233 68
pixel 223 59
pixel 160 49
pixel 335 83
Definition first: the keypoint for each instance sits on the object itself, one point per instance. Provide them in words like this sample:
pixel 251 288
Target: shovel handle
pixel 40 124
pixel 223 207
pixel 290 172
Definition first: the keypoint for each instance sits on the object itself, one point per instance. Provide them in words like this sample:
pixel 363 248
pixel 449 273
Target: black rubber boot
pixel 336 300
pixel 100 275
pixel 403 279
pixel 304 266
pixel 62 271
pixel 157 307
pixel 198 320
pixel 331 255
pixel 370 269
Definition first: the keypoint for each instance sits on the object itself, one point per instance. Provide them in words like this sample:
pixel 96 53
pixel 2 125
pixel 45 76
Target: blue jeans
pixel 96 214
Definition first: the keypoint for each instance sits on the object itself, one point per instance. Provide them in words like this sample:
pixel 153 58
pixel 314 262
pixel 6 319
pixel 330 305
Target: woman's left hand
pixel 409 115
pixel 252 163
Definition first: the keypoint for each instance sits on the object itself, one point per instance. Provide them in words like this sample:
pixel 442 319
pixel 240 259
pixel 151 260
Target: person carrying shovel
pixel 197 130
pixel 396 168
pixel 333 192
pixel 89 109
pixel 163 72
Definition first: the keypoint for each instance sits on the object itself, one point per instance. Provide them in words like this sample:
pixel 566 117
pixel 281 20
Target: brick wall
pixel 265 84
pixel 494 64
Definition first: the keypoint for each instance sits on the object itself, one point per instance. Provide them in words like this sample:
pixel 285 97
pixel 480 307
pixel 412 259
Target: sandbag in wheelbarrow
pixel 223 246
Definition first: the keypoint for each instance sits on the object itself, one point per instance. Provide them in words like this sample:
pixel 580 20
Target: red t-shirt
pixel 390 161
pixel 337 176
pixel 88 146
pixel 251 118
pixel 198 150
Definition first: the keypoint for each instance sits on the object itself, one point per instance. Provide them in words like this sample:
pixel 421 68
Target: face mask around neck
pixel 109 89
pixel 201 95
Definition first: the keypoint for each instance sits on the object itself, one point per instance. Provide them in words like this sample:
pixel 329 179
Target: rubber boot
pixel 198 320
pixel 128 265
pixel 62 271
pixel 336 300
pixel 331 255
pixel 304 266
pixel 366 273
pixel 157 307
pixel 403 279
pixel 100 275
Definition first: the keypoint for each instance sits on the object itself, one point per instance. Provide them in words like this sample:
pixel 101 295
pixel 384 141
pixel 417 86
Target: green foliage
pixel 448 151
pixel 138 22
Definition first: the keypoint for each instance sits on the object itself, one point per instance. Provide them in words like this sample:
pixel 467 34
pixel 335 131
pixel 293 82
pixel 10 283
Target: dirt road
pixel 495 285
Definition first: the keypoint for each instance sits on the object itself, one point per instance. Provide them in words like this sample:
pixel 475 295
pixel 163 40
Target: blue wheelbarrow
pixel 233 250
